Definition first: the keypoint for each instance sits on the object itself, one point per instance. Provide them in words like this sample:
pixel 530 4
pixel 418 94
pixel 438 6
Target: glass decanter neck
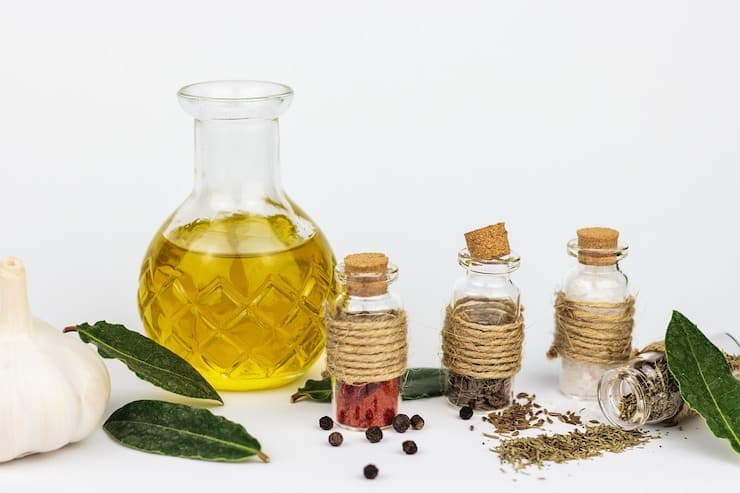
pixel 237 163
pixel 237 152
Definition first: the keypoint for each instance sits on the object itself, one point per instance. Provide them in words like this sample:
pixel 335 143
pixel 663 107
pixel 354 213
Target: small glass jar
pixel 364 300
pixel 643 391
pixel 596 277
pixel 485 295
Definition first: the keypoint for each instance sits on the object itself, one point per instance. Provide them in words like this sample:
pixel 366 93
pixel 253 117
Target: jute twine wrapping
pixel 483 350
pixel 593 332
pixel 685 411
pixel 366 348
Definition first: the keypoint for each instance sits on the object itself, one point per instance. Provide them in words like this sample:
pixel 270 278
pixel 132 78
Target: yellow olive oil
pixel 240 297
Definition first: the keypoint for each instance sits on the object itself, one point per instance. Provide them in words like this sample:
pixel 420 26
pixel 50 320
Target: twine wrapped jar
pixel 484 329
pixel 594 313
pixel 643 391
pixel 366 348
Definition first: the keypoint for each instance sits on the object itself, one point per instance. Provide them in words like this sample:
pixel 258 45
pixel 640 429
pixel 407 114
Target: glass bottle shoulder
pixel 371 305
pixel 485 287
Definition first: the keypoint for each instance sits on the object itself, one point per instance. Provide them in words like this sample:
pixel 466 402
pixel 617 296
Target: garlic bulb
pixel 55 388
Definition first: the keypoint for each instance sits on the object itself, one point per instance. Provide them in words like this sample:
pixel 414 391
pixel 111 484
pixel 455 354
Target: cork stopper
pixel 598 239
pixel 489 242
pixel 366 274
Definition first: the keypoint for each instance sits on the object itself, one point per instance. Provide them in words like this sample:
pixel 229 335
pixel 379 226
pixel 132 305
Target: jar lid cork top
pixel 366 263
pixel 598 238
pixel 488 242
pixel 591 240
pixel 366 274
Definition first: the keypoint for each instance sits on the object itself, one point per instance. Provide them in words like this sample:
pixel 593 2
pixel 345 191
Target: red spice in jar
pixel 365 405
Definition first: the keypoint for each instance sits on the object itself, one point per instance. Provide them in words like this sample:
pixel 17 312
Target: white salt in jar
pixel 595 280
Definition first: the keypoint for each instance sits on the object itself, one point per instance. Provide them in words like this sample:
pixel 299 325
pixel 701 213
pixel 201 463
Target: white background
pixel 413 122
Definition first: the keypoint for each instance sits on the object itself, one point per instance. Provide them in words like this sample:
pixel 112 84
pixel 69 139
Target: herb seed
pixel 326 423
pixel 335 439
pixel 374 434
pixel 401 423
pixel 466 412
pixel 409 446
pixel 370 471
pixel 417 422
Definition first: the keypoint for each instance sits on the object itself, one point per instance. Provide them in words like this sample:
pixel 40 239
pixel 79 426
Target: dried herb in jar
pixel 662 393
pixel 484 329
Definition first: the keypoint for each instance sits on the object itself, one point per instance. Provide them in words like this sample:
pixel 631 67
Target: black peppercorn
pixel 409 446
pixel 466 412
pixel 401 423
pixel 374 434
pixel 370 471
pixel 326 423
pixel 417 422
pixel 335 439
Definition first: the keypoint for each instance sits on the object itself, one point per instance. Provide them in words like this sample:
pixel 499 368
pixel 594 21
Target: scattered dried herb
pixel 416 383
pixel 178 430
pixel 148 360
pixel 576 445
pixel 524 414
pixel 704 377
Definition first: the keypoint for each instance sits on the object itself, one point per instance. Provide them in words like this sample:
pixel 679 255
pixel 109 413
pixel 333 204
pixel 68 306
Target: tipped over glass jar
pixel 644 391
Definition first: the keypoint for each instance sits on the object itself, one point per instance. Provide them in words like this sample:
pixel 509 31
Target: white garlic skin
pixel 55 388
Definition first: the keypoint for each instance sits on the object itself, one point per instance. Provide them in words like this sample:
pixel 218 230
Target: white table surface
pixel 450 455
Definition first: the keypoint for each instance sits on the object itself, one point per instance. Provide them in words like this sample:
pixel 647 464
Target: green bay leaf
pixel 147 359
pixel 314 390
pixel 179 430
pixel 421 383
pixel 704 378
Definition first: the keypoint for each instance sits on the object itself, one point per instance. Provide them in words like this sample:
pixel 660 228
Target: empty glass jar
pixel 236 279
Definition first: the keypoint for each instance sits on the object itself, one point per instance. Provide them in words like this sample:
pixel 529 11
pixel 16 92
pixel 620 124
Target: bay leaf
pixel 314 390
pixel 416 383
pixel 704 378
pixel 147 359
pixel 179 430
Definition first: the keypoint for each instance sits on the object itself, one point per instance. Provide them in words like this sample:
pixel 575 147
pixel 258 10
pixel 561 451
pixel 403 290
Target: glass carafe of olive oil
pixel 235 280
